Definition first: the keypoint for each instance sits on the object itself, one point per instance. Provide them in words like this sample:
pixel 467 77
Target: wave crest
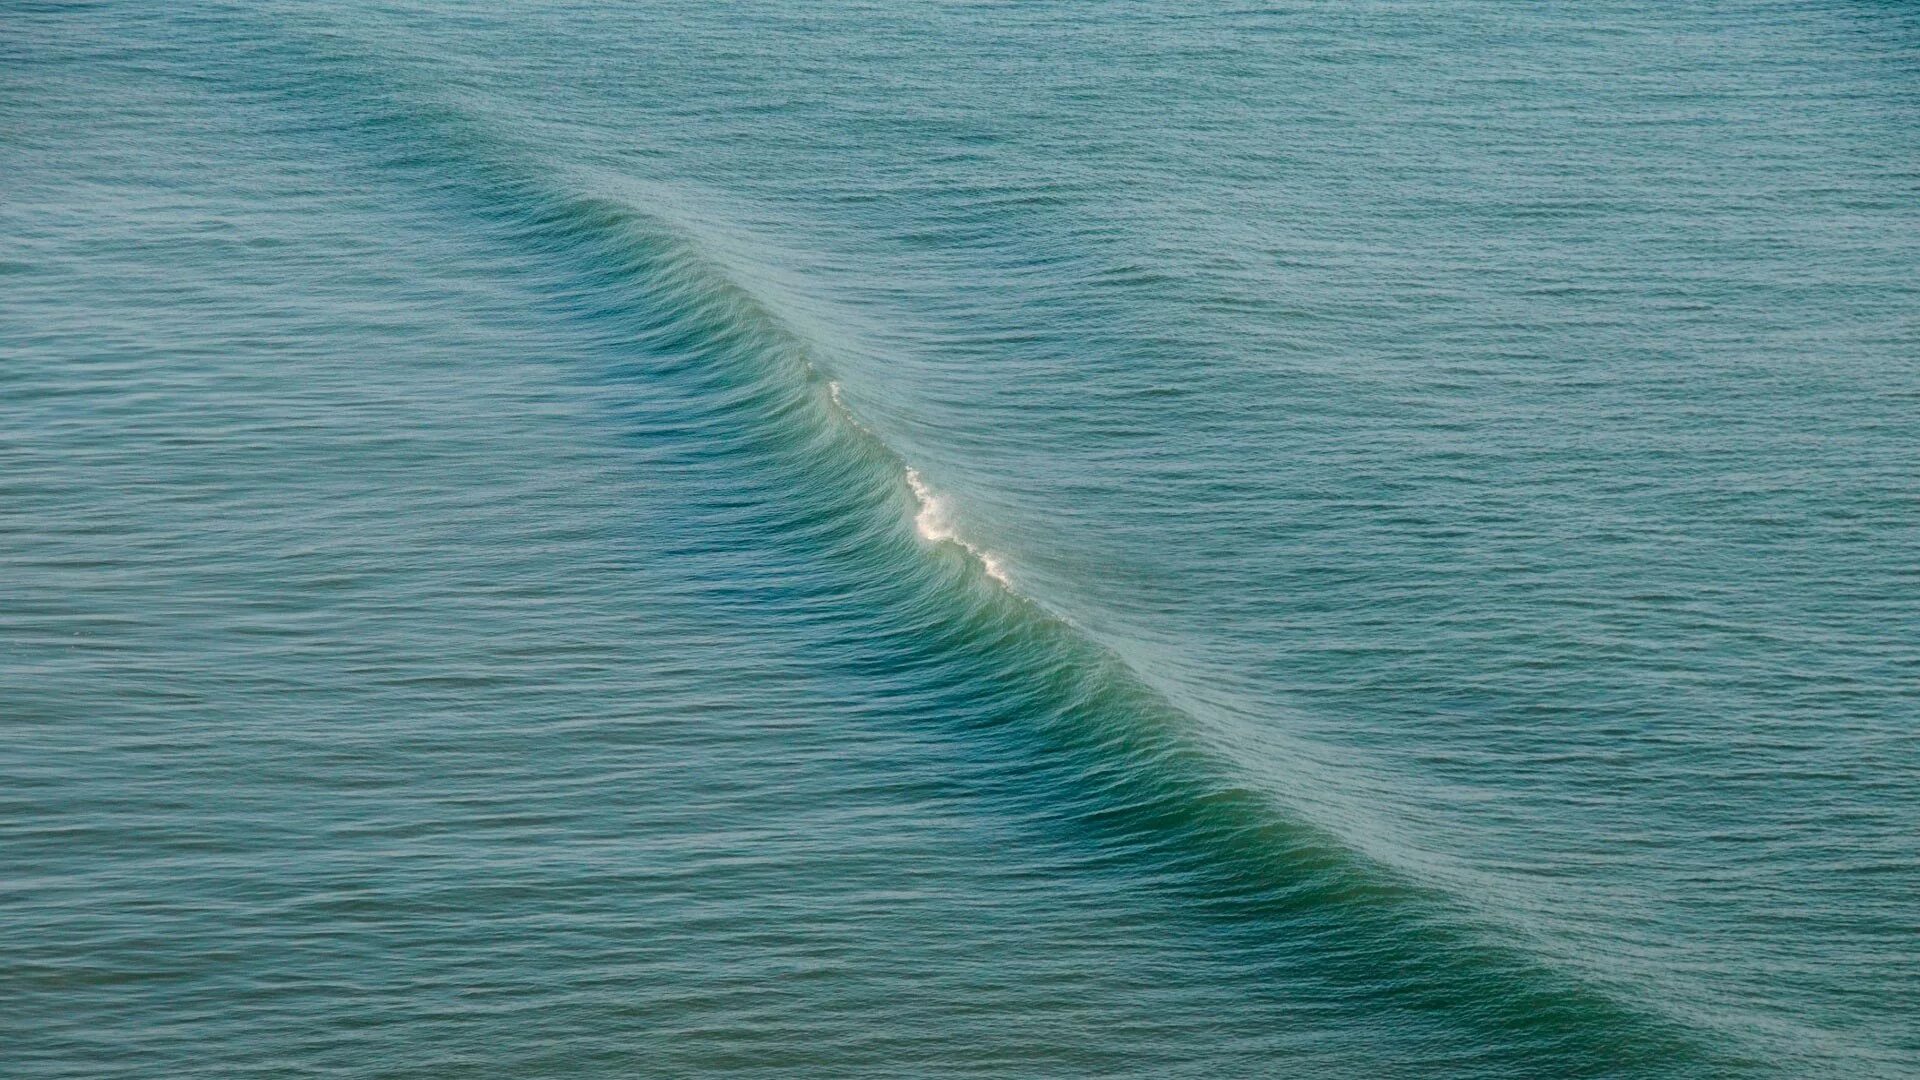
pixel 936 526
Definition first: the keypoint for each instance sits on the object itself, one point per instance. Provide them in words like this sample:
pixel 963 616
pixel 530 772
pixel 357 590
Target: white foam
pixel 935 526
pixel 840 406
pixel 932 521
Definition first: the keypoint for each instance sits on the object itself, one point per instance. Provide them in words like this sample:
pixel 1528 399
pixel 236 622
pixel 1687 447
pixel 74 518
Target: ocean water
pixel 587 538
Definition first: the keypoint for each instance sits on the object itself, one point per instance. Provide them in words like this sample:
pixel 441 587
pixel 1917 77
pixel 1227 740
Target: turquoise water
pixel 849 539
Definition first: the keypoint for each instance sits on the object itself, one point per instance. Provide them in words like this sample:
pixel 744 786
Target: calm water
pixel 969 539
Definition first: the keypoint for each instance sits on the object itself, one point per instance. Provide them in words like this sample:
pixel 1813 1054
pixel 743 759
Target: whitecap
pixel 935 526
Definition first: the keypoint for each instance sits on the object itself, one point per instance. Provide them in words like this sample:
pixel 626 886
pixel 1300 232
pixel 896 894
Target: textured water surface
pixel 843 539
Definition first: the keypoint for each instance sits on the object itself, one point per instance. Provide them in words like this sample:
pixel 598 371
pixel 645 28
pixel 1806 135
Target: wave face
pixel 829 540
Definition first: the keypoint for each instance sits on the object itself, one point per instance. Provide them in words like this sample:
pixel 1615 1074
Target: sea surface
pixel 574 538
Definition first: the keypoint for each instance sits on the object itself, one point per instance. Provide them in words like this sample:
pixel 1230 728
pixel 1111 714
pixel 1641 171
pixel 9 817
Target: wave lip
pixel 936 526
pixel 933 521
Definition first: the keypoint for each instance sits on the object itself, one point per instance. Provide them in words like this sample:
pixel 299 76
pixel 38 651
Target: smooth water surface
pixel 575 538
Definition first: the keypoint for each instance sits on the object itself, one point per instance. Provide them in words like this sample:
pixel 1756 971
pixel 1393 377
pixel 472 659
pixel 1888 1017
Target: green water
pixel 967 539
